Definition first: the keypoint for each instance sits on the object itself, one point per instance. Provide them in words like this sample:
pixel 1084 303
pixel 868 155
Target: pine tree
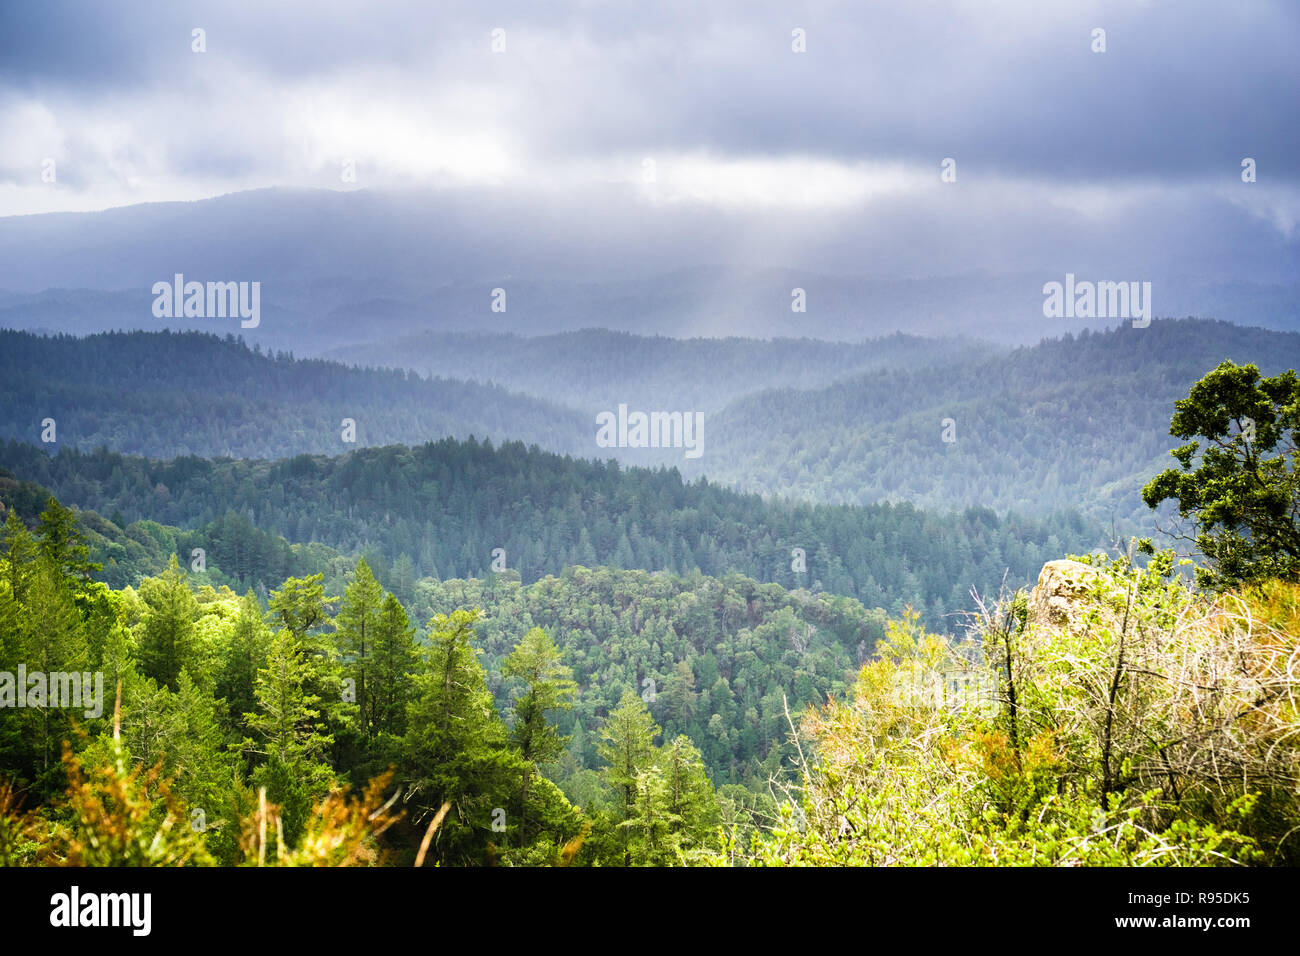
pixel 167 632
pixel 690 798
pixel 18 552
pixel 548 687
pixel 301 608
pixel 403 579
pixel 53 639
pixel 288 734
pixel 286 718
pixel 357 625
pixel 149 721
pixel 679 695
pixel 62 543
pixel 245 655
pixel 627 747
pixel 651 825
pixel 455 742
pixel 204 769
pixel 395 662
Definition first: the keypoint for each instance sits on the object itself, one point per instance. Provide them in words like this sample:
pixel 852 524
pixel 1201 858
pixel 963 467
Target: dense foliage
pixel 1075 422
pixel 558 705
pixel 167 394
pixel 1149 725
pixel 716 659
pixel 1151 728
pixel 443 509
pixel 1242 486
pixel 127 551
pixel 224 715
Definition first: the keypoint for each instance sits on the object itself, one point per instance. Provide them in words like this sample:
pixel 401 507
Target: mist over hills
pixel 167 394
pixel 1074 422
pixel 1080 421
pixel 346 268
pixel 595 369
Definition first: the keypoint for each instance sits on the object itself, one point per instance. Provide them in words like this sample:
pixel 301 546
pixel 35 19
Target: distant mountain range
pixel 163 394
pixel 595 369
pixel 342 269
pixel 466 509
pixel 1076 422
pixel 377 323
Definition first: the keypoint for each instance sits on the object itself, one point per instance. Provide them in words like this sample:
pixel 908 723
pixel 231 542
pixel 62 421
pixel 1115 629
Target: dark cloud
pixel 1184 89
pixel 1066 158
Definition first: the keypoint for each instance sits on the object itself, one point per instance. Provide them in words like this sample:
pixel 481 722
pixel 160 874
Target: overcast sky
pixel 1137 149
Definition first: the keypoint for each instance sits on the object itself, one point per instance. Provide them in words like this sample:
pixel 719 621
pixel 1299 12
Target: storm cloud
pixel 680 132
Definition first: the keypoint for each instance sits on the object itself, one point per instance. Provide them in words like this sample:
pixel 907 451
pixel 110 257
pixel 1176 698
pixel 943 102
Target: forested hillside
pixel 165 394
pixel 726 646
pixel 443 510
pixel 1078 422
pixel 214 692
pixel 128 551
pixel 620 667
pixel 595 369
pixel 661 727
pixel 715 658
pixel 1075 422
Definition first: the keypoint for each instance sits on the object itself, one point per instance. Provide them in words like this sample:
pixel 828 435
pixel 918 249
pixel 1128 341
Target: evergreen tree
pixel 650 825
pixel 357 626
pixel 287 725
pixel 62 543
pixel 286 718
pixel 51 638
pixel 301 608
pixel 690 799
pixel 149 722
pixel 167 632
pixel 205 770
pixel 679 695
pixel 18 555
pixel 395 662
pixel 245 655
pixel 455 742
pixel 627 747
pixel 548 687
pixel 1242 485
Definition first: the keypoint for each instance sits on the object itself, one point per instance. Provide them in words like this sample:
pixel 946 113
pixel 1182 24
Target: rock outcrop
pixel 1060 598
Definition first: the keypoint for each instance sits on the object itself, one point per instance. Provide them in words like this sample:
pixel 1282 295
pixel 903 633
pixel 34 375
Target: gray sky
pixel 1062 153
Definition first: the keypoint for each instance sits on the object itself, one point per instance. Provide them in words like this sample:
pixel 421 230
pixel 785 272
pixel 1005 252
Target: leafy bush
pixel 1160 728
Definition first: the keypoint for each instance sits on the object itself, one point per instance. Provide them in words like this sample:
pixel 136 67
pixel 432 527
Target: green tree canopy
pixel 1239 481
